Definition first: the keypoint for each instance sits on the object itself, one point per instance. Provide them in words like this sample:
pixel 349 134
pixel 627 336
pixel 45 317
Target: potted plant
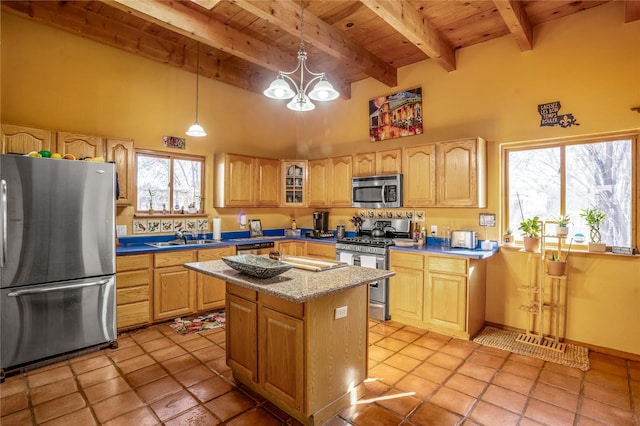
pixel 556 265
pixel 594 218
pixel 151 195
pixel 530 229
pixel 562 224
pixel 508 237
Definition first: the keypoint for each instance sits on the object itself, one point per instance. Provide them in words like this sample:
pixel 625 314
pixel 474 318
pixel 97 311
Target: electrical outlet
pixel 434 229
pixel 121 230
pixel 341 312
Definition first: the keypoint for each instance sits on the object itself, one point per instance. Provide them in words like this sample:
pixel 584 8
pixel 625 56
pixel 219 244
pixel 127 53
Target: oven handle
pixel 57 288
pixel 3 223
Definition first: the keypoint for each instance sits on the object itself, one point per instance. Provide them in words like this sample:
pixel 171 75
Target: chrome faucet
pixel 181 236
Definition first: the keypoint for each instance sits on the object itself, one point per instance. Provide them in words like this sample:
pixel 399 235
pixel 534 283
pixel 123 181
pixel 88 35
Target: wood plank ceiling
pixel 245 42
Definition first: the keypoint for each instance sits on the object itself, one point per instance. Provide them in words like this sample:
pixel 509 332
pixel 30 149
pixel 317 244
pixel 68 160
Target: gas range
pixel 364 244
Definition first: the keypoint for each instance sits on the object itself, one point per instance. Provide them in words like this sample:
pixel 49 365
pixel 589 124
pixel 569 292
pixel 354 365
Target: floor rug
pixel 573 355
pixel 196 324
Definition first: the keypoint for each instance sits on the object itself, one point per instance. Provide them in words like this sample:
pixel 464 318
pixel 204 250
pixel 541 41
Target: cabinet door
pixel 445 301
pixel 120 151
pixel 419 168
pixel 460 177
pixel 292 248
pixel 267 182
pixel 80 145
pixel 210 290
pixel 294 183
pixel 242 337
pixel 280 345
pixel 174 292
pixel 406 289
pixel 340 180
pixel 364 164
pixel 238 180
pixel 132 298
pixel 389 162
pixel 318 185
pixel 23 140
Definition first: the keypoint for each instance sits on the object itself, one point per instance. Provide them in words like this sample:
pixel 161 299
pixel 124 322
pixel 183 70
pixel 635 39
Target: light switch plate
pixel 121 230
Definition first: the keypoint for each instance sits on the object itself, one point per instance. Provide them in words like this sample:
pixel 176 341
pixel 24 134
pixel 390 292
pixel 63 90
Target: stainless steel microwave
pixel 376 192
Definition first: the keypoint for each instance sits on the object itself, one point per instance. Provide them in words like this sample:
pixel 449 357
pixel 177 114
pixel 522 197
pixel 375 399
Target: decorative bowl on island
pixel 256 266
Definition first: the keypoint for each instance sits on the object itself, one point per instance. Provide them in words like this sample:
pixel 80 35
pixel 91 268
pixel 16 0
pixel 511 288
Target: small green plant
pixel 151 195
pixel 594 218
pixel 530 227
pixel 561 220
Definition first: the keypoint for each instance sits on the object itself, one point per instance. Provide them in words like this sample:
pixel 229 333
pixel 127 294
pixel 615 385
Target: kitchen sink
pixel 181 243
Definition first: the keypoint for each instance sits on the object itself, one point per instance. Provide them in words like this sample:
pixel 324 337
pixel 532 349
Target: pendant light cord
pixel 197 77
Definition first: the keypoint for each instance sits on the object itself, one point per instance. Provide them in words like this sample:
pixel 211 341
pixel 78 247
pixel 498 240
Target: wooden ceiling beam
pixel 207 4
pixel 190 23
pixel 515 16
pixel 286 15
pixel 631 10
pixel 405 19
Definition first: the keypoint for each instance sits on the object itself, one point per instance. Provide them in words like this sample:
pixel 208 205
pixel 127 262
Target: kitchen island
pixel 299 339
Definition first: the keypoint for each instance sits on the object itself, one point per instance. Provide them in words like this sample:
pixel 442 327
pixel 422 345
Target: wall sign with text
pixel 549 116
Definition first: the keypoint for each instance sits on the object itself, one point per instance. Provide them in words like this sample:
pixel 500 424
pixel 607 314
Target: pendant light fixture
pixel 196 129
pixel 280 89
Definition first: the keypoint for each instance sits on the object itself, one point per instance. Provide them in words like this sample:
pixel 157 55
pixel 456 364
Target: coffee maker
pixel 321 225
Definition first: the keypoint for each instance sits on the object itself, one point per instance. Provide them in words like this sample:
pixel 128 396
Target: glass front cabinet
pixel 294 182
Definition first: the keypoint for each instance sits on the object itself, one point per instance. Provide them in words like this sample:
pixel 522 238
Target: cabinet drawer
pixel 133 314
pixel 133 262
pixel 215 253
pixel 321 250
pixel 243 292
pixel 173 258
pixel 132 279
pixel 133 294
pixel 449 265
pixel 284 306
pixel 406 260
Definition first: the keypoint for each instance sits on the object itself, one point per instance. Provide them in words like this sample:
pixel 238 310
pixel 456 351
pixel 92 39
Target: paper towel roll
pixel 216 229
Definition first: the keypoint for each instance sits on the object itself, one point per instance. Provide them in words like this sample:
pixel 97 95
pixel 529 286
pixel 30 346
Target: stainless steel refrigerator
pixel 57 258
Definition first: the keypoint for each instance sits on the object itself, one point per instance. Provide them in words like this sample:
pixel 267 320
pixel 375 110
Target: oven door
pixel 378 290
pixel 46 320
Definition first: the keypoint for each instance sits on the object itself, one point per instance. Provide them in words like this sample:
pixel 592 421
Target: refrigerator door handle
pixel 3 223
pixel 56 288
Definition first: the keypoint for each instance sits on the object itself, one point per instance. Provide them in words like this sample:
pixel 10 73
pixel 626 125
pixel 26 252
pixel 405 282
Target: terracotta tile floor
pixel 419 378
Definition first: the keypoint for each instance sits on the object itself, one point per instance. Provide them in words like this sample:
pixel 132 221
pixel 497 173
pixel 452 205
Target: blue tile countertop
pixel 140 244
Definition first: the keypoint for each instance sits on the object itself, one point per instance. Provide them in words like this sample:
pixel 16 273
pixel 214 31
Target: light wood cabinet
pixel 327 251
pixel 23 140
pixel 389 162
pixel 174 287
pixel 133 290
pixel 279 349
pixel 440 293
pixel 81 146
pixel 121 152
pixel 406 287
pixel 419 169
pixel 293 248
pixel 364 164
pixel 318 183
pixel 210 290
pixel 267 189
pixel 243 181
pixel 294 183
pixel 461 169
pixel 340 172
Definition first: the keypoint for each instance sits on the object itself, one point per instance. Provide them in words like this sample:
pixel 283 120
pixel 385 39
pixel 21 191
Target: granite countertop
pixel 295 285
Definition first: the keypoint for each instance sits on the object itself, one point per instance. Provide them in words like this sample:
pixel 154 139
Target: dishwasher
pixel 261 247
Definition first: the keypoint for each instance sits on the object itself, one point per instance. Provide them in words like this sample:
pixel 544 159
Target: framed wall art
pixel 396 115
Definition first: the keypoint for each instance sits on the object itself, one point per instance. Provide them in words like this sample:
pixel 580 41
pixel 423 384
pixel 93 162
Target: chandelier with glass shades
pixel 196 129
pixel 280 89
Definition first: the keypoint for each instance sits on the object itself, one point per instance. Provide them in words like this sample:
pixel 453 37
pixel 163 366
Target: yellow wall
pixel 590 62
